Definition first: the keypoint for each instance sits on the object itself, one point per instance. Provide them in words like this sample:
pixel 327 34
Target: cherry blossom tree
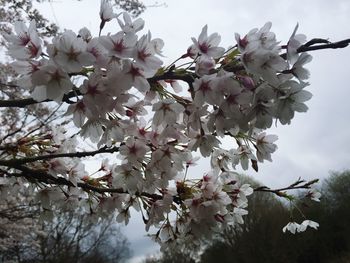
pixel 152 121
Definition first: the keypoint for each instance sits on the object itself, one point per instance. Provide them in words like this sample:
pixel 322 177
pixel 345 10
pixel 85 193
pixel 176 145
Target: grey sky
pixel 315 142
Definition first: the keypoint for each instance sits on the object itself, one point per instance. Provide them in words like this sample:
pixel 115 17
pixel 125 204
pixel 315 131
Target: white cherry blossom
pixel 119 45
pixel 106 11
pixel 291 227
pixel 167 111
pixel 298 69
pixel 50 82
pixel 145 54
pixel 26 44
pixel 265 146
pixel 295 41
pixel 208 45
pixel 70 52
pixel 314 195
pixel 133 151
pixel 307 223
pixel 292 100
pixel 129 26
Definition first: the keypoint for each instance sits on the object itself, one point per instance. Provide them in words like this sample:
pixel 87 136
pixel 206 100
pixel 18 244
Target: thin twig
pixel 299 184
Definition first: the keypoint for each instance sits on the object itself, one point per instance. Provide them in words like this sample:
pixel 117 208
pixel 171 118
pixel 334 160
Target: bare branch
pixel 299 184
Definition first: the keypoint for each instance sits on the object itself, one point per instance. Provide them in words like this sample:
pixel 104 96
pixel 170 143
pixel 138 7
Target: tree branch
pixel 299 184
pixel 312 45
pixel 22 161
pixel 340 44
pixel 43 177
pixel 170 75
pixel 22 103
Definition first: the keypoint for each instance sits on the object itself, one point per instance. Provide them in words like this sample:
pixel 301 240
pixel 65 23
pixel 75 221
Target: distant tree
pixel 61 237
pixel 333 240
pixel 336 190
pixel 134 7
pixel 78 238
pixel 18 223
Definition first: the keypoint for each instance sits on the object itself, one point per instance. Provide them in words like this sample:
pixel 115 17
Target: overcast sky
pixel 316 142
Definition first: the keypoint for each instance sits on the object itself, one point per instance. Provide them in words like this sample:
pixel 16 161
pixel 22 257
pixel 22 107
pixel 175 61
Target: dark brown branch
pixel 8 85
pixel 43 177
pixel 170 75
pixel 22 103
pixel 316 41
pixel 311 45
pixel 299 184
pixel 14 162
pixel 340 44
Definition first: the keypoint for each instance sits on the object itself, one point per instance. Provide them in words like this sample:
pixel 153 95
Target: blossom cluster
pixel 294 227
pixel 129 103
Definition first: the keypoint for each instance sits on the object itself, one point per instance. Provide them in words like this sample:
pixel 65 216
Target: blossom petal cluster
pixel 128 103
